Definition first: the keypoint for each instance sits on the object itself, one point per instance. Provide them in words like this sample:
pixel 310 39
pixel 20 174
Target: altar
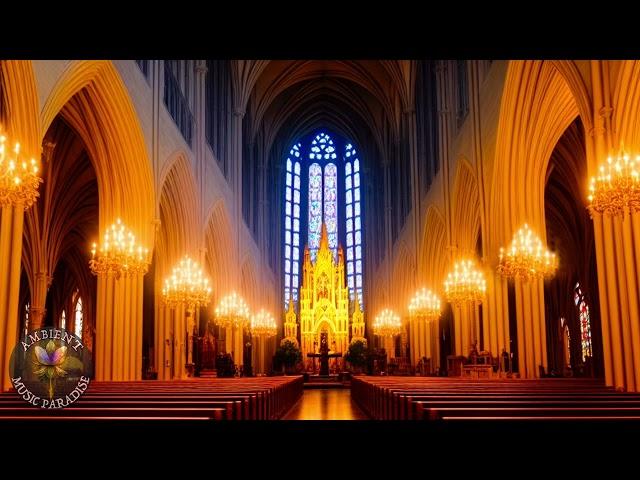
pixel 324 355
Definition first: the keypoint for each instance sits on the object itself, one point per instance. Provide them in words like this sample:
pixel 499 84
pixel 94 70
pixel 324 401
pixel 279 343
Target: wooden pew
pixel 208 399
pixel 445 399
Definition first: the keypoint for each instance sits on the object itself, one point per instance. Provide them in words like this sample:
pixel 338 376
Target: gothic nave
pixel 437 240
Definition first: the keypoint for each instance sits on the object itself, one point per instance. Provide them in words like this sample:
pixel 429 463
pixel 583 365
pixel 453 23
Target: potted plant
pixel 357 354
pixel 288 355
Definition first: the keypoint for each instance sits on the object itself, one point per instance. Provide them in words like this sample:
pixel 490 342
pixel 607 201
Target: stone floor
pixel 326 404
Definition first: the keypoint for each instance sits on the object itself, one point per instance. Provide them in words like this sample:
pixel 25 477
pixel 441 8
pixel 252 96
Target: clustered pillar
pixel 11 225
pixel 119 327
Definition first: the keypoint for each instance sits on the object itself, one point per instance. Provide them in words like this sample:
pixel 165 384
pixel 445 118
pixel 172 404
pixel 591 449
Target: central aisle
pixel 326 404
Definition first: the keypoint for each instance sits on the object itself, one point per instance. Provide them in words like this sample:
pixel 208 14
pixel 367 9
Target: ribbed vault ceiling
pixel 360 100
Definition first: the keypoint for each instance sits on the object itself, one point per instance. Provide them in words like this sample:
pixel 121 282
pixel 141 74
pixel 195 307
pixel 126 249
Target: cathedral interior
pixel 423 240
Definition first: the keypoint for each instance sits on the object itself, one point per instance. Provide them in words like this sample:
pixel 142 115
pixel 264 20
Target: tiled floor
pixel 326 404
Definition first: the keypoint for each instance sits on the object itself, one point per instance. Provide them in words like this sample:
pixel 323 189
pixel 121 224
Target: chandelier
pixel 465 284
pixel 232 312
pixel 387 324
pixel 19 179
pixel 616 186
pixel 425 305
pixel 527 258
pixel 118 253
pixel 263 325
pixel 187 285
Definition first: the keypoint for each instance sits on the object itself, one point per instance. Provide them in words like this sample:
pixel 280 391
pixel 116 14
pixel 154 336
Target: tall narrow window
pixel 63 320
pixel 354 222
pixel 292 226
pixel 79 318
pixel 585 322
pixel 315 208
pixel 27 308
pixel 331 206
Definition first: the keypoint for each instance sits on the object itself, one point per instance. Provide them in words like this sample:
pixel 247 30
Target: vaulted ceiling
pixel 360 100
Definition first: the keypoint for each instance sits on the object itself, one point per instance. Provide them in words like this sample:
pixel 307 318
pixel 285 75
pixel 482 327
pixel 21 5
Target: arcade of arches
pixel 215 159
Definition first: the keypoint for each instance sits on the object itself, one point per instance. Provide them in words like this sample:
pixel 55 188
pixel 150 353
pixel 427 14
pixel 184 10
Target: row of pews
pixel 451 399
pixel 264 398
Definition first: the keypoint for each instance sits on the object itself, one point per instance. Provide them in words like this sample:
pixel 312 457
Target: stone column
pixel 11 226
pixel 617 245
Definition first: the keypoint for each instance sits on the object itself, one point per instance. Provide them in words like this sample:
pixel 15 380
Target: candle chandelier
pixel 118 253
pixel 425 305
pixel 263 325
pixel 187 286
pixel 387 324
pixel 616 186
pixel 465 283
pixel 19 178
pixel 232 311
pixel 527 258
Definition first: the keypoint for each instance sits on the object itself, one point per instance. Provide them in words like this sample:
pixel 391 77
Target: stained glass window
pixel 315 208
pixel 319 184
pixel 63 320
pixel 292 229
pixel 27 308
pixel 585 321
pixel 331 206
pixel 354 223
pixel 79 318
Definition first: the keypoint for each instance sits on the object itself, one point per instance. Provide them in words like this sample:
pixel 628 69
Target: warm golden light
pixel 19 178
pixel 187 286
pixel 616 186
pixel 425 305
pixel 527 258
pixel 118 253
pixel 465 284
pixel 387 324
pixel 263 325
pixel 232 311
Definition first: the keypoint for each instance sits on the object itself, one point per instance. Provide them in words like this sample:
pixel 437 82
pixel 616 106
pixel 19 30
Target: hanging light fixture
pixel 387 324
pixel 425 305
pixel 527 258
pixel 232 311
pixel 118 253
pixel 465 283
pixel 616 186
pixel 19 178
pixel 263 325
pixel 187 286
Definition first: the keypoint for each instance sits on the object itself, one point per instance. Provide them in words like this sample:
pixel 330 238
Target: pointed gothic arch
pixel 92 98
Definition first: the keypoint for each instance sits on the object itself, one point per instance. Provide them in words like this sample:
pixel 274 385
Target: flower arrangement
pixel 357 352
pixel 288 353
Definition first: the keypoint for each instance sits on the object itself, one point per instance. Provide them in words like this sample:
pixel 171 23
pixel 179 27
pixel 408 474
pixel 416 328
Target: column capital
pixel 238 112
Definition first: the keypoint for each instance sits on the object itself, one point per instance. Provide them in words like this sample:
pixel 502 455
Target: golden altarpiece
pixel 324 305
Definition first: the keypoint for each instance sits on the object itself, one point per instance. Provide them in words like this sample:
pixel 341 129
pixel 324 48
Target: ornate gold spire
pixel 324 238
pixel 357 319
pixel 291 324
